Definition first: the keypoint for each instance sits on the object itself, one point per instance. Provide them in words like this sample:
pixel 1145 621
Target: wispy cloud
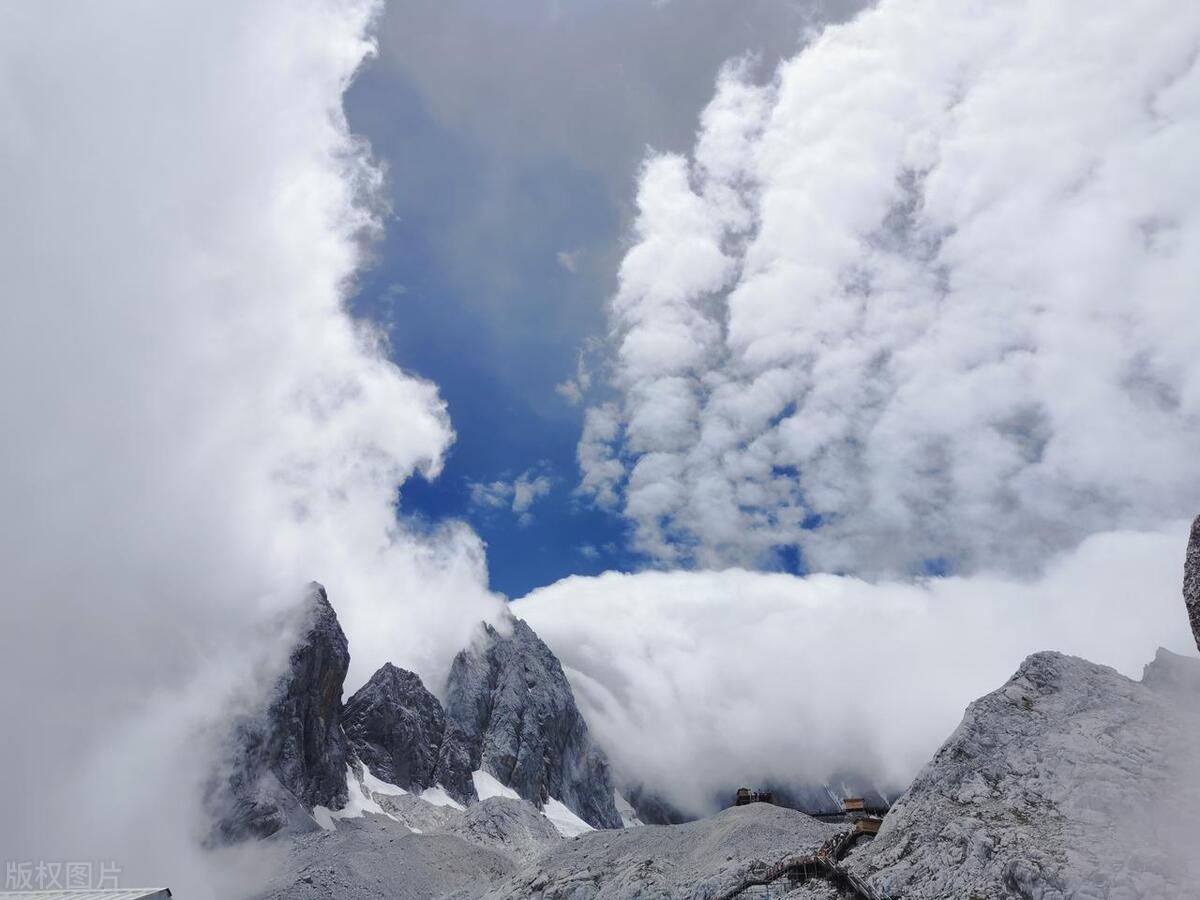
pixel 517 495
pixel 573 390
pixel 569 260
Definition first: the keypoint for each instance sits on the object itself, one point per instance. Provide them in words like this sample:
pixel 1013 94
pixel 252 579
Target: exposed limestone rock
pixel 510 711
pixel 661 862
pixel 510 826
pixel 1070 781
pixel 395 726
pixel 374 857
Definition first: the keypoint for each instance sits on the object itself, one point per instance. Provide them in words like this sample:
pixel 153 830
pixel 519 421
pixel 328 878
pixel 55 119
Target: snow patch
pixel 568 824
pixel 488 785
pixel 378 785
pixel 629 817
pixel 438 797
pixel 359 801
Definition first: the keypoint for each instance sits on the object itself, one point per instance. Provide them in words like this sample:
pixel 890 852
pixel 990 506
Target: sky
pixel 632 313
pixel 512 135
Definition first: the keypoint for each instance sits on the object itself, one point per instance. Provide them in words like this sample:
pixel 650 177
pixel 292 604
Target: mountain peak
pixel 510 712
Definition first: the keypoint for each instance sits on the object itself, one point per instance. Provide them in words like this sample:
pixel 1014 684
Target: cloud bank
pixel 194 428
pixel 698 682
pixel 924 301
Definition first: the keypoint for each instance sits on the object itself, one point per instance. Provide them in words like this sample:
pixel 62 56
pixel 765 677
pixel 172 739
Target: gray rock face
pixel 373 858
pixel 1191 580
pixel 696 860
pixel 510 711
pixel 395 726
pixel 510 826
pixel 293 755
pixel 653 809
pixel 1070 781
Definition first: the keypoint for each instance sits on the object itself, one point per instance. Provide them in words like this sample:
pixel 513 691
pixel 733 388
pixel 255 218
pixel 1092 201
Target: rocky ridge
pixel 1070 781
pixel 510 713
pixel 695 860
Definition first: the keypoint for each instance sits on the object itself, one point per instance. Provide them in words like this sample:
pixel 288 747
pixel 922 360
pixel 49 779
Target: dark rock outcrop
pixel 395 726
pixel 510 711
pixel 292 755
pixel 1191 580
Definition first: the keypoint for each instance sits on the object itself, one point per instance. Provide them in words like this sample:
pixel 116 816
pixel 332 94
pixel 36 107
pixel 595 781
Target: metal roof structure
pixel 122 894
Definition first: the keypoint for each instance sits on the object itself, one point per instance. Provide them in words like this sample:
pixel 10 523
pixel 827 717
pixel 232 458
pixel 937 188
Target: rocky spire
pixel 1191 580
pixel 511 713
pixel 292 755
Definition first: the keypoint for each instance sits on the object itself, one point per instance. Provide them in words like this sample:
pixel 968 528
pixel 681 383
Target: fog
pixel 699 682
pixel 194 428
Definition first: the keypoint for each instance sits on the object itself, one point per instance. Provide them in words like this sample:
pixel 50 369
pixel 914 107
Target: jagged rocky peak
pixel 510 712
pixel 292 755
pixel 1191 580
pixel 1171 673
pixel 395 726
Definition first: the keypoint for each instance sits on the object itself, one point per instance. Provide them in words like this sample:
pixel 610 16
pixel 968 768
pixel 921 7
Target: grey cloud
pixel 593 81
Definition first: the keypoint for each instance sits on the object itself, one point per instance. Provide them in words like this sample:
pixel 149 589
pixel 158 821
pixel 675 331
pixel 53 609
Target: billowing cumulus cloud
pixel 927 298
pixel 698 682
pixel 193 426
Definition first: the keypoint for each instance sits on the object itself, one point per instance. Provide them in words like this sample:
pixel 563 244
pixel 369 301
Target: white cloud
pixel 602 470
pixel 574 389
pixel 528 488
pixel 193 426
pixel 930 289
pixel 517 495
pixel 570 391
pixel 569 260
pixel 697 682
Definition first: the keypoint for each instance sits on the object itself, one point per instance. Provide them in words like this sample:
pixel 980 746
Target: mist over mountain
pixel 827 369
